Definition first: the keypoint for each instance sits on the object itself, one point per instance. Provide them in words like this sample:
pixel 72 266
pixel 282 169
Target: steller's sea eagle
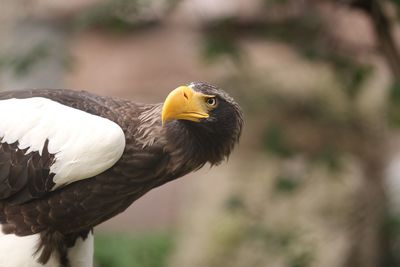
pixel 70 160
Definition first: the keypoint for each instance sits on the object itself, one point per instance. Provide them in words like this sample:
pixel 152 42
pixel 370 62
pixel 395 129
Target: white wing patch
pixel 84 144
pixel 18 251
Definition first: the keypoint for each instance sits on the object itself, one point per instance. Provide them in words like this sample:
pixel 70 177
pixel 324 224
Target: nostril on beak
pixel 185 95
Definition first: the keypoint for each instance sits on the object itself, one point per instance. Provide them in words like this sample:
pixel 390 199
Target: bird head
pixel 207 116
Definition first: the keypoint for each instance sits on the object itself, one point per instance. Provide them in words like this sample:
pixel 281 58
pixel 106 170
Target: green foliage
pixel 302 259
pixel 306 32
pixel 396 2
pixel 328 156
pixel 21 64
pixel 301 32
pixel 392 230
pixel 394 104
pixel 273 239
pixel 235 203
pixel 105 21
pixel 216 46
pixel 351 74
pixel 285 184
pixel 269 3
pixel 283 241
pixel 133 250
pixel 275 142
pixel 219 40
pixel 115 16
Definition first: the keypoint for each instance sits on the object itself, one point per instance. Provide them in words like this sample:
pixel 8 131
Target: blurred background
pixel 315 181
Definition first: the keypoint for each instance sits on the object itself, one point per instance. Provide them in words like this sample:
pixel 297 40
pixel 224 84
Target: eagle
pixel 70 160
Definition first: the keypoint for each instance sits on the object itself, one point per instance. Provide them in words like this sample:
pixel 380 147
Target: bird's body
pixel 70 160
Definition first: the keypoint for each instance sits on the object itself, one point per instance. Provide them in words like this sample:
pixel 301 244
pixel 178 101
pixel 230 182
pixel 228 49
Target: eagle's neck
pixel 185 147
pixel 149 131
pixel 192 143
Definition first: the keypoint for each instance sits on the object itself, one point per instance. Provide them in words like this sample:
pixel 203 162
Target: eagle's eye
pixel 211 101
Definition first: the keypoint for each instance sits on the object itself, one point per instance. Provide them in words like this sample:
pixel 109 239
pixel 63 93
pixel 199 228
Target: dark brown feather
pixel 24 177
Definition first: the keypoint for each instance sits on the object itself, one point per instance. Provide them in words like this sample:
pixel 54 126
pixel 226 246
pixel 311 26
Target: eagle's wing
pixel 45 145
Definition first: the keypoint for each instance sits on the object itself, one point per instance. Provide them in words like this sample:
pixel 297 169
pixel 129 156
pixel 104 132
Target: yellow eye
pixel 211 101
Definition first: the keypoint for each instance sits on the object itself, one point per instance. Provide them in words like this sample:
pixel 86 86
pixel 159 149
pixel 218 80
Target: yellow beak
pixel 184 103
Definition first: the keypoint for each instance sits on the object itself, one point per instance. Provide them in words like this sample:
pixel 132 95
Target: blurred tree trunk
pixel 370 246
pixel 383 32
pixel 369 242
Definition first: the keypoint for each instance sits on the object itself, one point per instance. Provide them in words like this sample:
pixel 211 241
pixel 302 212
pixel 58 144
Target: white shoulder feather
pixel 84 145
